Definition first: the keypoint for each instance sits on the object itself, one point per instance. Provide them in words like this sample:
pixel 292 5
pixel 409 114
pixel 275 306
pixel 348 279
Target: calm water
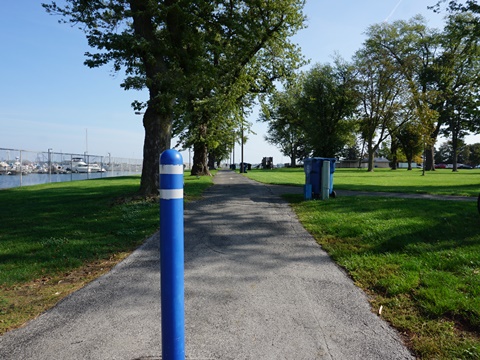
pixel 11 181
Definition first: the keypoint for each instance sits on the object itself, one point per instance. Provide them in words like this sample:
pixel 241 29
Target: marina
pixel 12 181
pixel 25 168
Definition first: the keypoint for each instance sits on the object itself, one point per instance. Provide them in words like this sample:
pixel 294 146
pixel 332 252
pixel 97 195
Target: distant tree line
pixel 407 86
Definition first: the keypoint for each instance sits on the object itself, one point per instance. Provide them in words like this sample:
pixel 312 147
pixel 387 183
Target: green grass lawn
pixel 56 237
pixel 419 260
pixel 441 181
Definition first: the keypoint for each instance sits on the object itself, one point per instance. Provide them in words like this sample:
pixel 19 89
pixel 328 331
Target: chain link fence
pixel 25 167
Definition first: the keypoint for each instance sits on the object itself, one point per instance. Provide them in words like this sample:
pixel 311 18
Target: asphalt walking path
pixel 257 286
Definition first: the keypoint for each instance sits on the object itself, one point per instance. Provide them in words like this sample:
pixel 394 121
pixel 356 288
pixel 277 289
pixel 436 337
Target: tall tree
pixel 413 48
pixel 382 92
pixel 327 105
pixel 157 45
pixel 285 125
pixel 174 49
pixel 459 80
pixel 441 70
pixel 249 49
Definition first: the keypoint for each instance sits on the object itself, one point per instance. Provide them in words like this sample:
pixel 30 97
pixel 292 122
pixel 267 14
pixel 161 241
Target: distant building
pixel 379 162
pixel 351 164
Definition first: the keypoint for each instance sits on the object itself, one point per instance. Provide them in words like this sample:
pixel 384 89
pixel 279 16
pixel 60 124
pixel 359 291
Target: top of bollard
pixel 171 157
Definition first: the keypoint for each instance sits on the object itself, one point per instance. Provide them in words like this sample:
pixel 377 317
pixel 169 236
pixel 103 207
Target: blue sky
pixel 49 99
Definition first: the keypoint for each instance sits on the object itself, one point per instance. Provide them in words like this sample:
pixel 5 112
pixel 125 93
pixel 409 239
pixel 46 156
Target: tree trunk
pixel 211 161
pixel 429 158
pixel 394 162
pixel 157 139
pixel 394 150
pixel 371 158
pixel 200 153
pixel 454 148
pixel 293 157
pixel 200 156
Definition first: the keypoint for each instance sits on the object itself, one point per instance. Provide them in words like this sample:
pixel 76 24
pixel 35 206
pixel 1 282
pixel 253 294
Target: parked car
pixel 440 166
pixel 449 166
pixel 464 166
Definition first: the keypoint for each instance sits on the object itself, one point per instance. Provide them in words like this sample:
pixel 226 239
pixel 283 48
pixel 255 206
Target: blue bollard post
pixel 172 255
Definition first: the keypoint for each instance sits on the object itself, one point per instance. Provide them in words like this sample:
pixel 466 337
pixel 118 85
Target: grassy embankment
pixel 419 260
pixel 57 237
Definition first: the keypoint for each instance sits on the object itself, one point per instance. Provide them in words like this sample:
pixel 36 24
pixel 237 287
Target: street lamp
pixel 110 162
pixel 242 164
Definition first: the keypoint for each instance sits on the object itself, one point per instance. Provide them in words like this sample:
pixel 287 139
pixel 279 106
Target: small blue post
pixel 172 255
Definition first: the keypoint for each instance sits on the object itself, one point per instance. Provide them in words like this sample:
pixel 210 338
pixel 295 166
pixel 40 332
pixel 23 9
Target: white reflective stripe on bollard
pixel 171 194
pixel 171 169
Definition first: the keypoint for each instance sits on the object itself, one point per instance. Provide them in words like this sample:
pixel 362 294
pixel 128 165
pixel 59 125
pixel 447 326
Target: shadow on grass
pixel 425 249
pixel 52 228
pixel 394 224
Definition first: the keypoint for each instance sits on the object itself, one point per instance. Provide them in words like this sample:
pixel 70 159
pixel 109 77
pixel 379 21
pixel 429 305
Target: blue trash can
pixel 313 175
